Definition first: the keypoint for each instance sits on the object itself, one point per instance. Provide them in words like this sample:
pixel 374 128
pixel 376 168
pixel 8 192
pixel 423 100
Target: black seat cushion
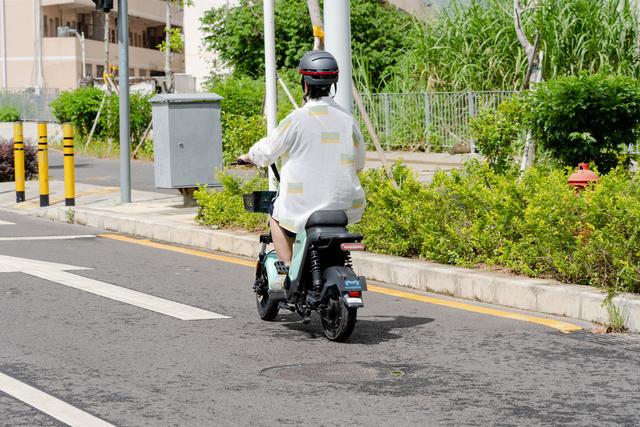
pixel 327 218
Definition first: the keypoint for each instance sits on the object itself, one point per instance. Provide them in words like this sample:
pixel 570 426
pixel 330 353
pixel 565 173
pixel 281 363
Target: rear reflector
pixel 355 294
pixel 352 246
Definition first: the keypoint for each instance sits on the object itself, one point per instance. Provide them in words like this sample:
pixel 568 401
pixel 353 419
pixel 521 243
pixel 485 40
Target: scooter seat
pixel 327 219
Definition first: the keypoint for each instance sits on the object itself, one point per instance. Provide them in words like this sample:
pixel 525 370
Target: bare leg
pixel 282 242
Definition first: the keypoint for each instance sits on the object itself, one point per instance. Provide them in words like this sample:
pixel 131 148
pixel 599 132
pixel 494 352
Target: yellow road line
pixel 179 249
pixel 555 324
pixel 551 323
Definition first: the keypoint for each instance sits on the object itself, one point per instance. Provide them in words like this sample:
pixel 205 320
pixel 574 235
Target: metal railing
pixel 32 104
pixel 430 121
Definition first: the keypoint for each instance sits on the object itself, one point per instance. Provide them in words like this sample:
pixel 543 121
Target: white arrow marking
pixel 6 223
pixel 57 273
pixel 48 404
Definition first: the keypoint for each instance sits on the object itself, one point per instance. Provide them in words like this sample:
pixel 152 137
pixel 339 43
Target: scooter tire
pixel 339 329
pixel 268 307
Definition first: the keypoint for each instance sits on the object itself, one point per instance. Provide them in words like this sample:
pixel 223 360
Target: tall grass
pixel 473 44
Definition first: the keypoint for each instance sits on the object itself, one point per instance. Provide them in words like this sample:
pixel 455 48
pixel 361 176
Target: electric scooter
pixel 320 277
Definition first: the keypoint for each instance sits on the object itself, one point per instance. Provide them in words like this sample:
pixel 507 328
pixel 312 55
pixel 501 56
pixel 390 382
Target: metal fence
pixel 32 104
pixel 430 121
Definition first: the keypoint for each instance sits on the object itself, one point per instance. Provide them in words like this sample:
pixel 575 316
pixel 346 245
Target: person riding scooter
pixel 321 148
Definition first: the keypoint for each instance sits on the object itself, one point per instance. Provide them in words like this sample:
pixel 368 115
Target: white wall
pixel 198 61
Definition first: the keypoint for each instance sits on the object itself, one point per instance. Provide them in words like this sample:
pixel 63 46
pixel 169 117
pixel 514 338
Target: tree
pixel 381 34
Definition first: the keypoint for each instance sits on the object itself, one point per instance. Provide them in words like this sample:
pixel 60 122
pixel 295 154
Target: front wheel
pixel 267 306
pixel 338 320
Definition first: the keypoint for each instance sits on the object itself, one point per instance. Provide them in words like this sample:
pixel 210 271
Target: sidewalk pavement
pixel 161 217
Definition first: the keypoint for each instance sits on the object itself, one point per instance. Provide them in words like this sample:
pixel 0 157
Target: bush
pixel 588 118
pixel 9 113
pixel 239 133
pixel 79 107
pixel 225 208
pixel 7 172
pixel 496 134
pixel 538 226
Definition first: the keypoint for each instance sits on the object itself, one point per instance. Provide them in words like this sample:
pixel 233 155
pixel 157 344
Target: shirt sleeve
pixel 358 142
pixel 269 149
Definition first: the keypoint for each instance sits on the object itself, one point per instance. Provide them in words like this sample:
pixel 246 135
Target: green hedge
pixel 474 217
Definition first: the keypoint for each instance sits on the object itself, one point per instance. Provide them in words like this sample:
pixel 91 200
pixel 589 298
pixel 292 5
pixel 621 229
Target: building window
pixel 99 71
pixel 45 22
pixel 55 29
pixel 113 36
pixel 88 69
pixel 51 29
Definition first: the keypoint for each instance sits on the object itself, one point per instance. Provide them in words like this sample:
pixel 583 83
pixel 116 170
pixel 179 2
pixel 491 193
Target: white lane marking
pixel 57 273
pixel 51 406
pixel 6 223
pixel 80 236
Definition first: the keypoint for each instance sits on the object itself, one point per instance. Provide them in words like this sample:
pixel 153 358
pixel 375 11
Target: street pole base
pixel 44 200
pixel 20 196
pixel 70 202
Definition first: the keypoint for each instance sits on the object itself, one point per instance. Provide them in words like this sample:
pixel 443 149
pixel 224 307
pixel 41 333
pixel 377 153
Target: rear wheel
pixel 267 305
pixel 338 320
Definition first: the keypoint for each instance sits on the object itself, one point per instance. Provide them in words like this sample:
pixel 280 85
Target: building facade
pixel 199 62
pixel 37 50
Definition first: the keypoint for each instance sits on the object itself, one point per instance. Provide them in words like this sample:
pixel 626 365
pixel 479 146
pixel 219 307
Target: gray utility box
pixel 187 139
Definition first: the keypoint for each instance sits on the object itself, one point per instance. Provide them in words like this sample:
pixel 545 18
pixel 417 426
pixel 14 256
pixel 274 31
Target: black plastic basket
pixel 258 201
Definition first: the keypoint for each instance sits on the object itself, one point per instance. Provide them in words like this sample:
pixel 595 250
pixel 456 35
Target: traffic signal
pixel 104 5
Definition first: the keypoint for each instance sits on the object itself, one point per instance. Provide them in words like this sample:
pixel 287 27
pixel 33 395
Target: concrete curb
pixel 544 296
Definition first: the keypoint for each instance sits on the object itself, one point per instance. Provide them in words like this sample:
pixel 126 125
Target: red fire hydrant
pixel 582 177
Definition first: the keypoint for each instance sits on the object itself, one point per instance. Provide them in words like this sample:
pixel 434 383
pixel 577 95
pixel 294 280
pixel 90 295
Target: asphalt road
pixel 408 362
pixel 106 172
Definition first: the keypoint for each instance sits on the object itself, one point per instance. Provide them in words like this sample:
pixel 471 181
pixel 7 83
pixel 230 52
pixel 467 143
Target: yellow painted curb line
pixel 555 324
pixel 179 249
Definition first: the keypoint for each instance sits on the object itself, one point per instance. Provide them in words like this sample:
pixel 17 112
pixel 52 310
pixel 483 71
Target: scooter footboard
pixel 349 285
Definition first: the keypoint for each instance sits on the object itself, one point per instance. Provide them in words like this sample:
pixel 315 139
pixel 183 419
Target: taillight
pixel 355 294
pixel 352 246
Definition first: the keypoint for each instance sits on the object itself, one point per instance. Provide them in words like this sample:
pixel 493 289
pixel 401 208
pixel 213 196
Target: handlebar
pixel 274 168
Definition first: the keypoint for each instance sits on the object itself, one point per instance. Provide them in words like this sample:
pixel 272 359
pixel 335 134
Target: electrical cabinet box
pixel 187 140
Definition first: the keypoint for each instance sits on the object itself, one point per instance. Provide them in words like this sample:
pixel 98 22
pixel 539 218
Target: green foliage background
pixel 9 113
pixel 472 45
pixel 80 107
pixel 380 33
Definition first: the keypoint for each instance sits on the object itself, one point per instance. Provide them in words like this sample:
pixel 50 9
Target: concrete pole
pixel 125 148
pixel 337 41
pixel 271 101
pixel 3 35
pixel 37 23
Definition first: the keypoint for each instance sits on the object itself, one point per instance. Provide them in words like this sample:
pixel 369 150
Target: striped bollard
pixel 18 161
pixel 69 165
pixel 43 164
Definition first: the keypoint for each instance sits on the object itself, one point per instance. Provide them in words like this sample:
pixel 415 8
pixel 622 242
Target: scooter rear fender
pixel 345 281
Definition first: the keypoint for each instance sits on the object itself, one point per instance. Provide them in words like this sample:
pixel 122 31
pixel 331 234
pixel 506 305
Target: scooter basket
pixel 258 201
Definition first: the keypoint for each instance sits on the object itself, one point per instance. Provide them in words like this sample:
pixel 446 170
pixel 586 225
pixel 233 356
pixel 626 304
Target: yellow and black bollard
pixel 43 164
pixel 69 165
pixel 18 161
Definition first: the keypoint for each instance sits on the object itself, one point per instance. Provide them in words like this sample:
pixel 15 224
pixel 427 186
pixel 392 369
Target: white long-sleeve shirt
pixel 322 150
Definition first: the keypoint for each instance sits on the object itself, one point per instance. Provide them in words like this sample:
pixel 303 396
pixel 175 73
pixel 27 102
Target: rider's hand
pixel 246 159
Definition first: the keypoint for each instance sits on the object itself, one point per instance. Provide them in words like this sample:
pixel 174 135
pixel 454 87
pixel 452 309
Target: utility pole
pixel 107 32
pixel 125 129
pixel 37 22
pixel 167 47
pixel 271 101
pixel 337 41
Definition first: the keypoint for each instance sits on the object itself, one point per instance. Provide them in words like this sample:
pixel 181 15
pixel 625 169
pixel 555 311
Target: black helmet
pixel 319 68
